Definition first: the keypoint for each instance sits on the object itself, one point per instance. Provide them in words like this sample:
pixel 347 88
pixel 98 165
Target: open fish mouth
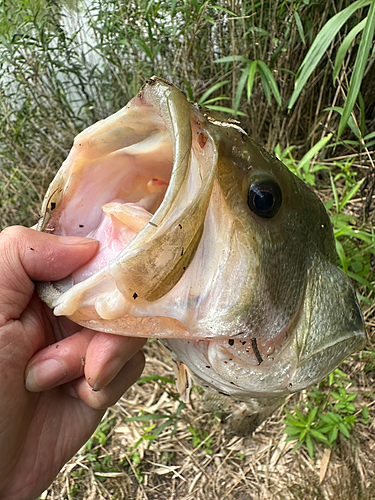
pixel 207 242
pixel 140 184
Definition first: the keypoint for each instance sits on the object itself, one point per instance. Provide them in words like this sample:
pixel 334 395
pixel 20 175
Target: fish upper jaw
pixel 155 158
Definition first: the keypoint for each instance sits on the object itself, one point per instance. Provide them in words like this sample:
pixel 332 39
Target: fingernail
pixel 75 240
pixel 108 373
pixel 45 375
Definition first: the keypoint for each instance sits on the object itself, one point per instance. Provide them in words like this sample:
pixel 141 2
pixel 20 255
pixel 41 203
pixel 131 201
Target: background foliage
pixel 62 69
pixel 298 74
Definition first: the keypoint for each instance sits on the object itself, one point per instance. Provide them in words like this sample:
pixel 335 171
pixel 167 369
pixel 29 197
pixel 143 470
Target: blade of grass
pixel 304 164
pixel 321 44
pixel 226 110
pixel 211 90
pixel 250 78
pixel 359 68
pixel 233 59
pixel 300 27
pixel 263 68
pixel 344 47
pixel 240 87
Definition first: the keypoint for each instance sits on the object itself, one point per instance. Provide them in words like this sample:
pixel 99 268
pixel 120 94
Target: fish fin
pixel 183 380
pixel 244 423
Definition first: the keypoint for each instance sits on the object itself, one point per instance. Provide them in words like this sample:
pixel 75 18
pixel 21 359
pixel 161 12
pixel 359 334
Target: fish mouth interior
pixel 123 173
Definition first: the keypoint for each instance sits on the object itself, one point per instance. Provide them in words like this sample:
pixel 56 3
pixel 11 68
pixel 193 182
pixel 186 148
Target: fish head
pixel 207 242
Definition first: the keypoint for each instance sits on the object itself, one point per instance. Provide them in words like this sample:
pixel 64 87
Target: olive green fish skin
pixel 284 246
pixel 233 265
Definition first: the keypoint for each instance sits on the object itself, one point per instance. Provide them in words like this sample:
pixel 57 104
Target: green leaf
pixel 300 27
pixel 266 87
pixel 290 416
pixel 351 397
pixel 318 435
pixel 250 78
pixel 311 416
pixel 304 164
pixel 332 436
pixel 291 438
pixel 369 136
pixel 359 68
pixel 310 446
pixel 226 110
pixel 157 378
pixel 173 8
pixel 233 59
pixel 335 194
pixel 223 9
pixel 215 99
pixel 333 416
pixel 149 5
pixel 255 29
pixel 365 413
pixel 303 433
pixel 341 253
pixel 344 429
pixel 240 87
pixel 301 417
pixel 321 44
pixel 350 194
pixel 351 122
pixel 344 47
pixel 145 418
pixel 361 280
pixel 292 430
pixel 211 90
pixel 263 68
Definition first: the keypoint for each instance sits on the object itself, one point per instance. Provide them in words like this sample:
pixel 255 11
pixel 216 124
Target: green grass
pixel 329 412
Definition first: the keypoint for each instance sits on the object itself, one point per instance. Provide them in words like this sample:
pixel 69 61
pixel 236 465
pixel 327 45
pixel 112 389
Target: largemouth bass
pixel 208 243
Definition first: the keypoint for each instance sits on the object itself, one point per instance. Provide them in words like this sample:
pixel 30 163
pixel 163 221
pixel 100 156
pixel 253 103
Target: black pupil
pixel 264 198
pixel 264 201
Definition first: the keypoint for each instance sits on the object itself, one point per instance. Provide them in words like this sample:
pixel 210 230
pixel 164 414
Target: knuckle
pixel 12 232
pixel 100 400
pixel 12 237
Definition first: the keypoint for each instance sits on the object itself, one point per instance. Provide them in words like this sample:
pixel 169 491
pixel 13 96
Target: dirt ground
pixel 195 457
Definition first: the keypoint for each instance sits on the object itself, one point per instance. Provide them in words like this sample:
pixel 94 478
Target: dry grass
pixel 221 466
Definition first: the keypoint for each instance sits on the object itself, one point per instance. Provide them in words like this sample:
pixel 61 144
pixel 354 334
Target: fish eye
pixel 264 198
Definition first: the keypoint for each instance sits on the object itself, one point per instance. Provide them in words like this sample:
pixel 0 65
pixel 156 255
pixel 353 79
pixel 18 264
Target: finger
pixel 110 394
pixel 106 355
pixel 26 255
pixel 58 363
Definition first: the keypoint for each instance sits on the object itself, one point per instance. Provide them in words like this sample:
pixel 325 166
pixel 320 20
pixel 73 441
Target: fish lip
pixel 176 115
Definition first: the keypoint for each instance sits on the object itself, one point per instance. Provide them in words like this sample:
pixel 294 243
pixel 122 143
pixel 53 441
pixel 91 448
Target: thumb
pixel 27 255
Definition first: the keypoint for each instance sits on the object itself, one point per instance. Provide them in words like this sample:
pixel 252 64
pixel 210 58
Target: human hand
pixel 42 429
